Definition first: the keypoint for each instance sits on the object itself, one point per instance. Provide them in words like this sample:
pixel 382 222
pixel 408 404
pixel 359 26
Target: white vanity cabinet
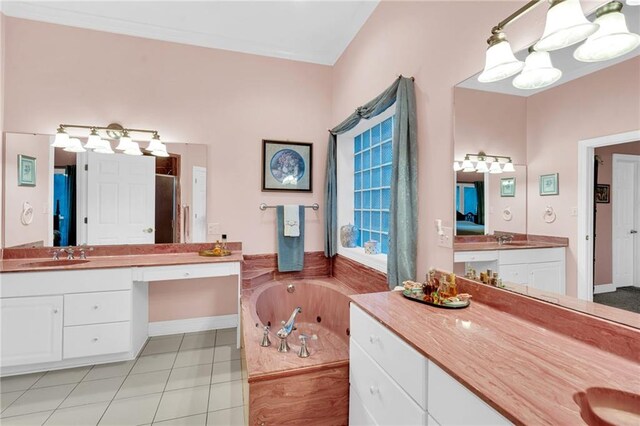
pixel 393 384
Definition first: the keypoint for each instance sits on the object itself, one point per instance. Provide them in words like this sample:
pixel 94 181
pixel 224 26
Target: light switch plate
pixel 213 228
pixel 574 211
pixel 446 240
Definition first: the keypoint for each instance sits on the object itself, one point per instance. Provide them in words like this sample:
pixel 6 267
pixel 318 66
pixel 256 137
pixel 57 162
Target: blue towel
pixel 290 249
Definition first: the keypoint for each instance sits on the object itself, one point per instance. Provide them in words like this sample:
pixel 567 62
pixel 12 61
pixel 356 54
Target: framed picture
pixel 508 187
pixel 602 193
pixel 549 184
pixel 26 170
pixel 287 166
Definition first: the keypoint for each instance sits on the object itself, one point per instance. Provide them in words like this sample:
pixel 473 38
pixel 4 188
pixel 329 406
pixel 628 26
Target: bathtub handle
pixel 373 390
pixel 373 339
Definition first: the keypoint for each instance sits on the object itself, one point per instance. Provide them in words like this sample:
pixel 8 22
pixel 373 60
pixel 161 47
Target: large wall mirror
pixel 539 132
pixel 53 197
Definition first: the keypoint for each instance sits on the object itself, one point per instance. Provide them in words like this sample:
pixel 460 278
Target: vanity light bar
pixel 484 163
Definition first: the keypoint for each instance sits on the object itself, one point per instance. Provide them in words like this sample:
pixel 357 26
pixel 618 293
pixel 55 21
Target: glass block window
pixel 372 184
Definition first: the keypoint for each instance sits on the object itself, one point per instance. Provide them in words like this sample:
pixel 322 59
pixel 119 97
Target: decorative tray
pixel 215 253
pixel 419 297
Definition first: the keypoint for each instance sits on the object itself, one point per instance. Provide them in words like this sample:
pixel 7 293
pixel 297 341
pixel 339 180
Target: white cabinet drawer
pixel 387 403
pixel 509 257
pixel 407 367
pixel 96 308
pixel 358 415
pixel 450 403
pixel 475 256
pixel 99 339
pixel 180 272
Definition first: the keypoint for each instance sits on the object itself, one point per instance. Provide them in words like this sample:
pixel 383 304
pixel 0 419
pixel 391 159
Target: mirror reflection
pixel 96 198
pixel 524 225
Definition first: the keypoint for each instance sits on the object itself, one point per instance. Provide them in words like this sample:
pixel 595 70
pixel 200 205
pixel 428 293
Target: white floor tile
pixel 183 402
pixel 143 384
pixel 189 377
pixel 190 357
pixel 93 391
pixel 7 398
pixel 62 377
pixel 157 362
pixel 199 340
pixel 35 400
pixel 107 371
pixel 83 415
pixel 226 353
pixel 131 411
pixel 198 420
pixel 226 371
pixel 226 336
pixel 159 346
pixel 225 395
pixel 35 419
pixel 16 383
pixel 229 417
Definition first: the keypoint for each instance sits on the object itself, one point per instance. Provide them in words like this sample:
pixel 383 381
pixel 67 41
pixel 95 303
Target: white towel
pixel 291 220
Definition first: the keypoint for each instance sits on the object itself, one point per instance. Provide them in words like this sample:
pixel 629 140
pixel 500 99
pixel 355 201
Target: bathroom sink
pixel 605 406
pixel 62 262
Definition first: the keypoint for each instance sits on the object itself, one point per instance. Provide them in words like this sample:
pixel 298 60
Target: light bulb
pixel 62 138
pixel 93 140
pixel 538 72
pixel 75 146
pixel 565 25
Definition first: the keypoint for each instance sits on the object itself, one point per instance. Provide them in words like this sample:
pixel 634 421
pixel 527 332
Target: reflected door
pixel 625 193
pixel 199 203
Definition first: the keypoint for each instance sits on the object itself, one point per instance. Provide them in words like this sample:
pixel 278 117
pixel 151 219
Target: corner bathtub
pixel 284 388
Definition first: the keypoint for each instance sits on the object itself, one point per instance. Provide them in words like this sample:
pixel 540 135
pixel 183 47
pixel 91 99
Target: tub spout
pixel 287 327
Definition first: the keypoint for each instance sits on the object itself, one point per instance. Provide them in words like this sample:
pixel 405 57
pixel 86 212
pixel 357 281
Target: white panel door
pixel 120 199
pixel 31 330
pixel 199 204
pixel 624 191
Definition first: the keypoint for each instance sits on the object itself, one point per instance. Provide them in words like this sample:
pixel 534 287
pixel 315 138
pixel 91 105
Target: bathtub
pixel 284 388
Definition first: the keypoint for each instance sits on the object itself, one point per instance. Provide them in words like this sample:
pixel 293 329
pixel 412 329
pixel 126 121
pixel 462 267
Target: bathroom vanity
pixel 58 314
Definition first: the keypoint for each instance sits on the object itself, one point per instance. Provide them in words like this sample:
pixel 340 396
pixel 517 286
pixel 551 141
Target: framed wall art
pixel 549 184
pixel 602 193
pixel 287 166
pixel 508 187
pixel 26 170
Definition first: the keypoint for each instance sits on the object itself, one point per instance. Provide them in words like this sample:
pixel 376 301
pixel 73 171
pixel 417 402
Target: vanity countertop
pixel 118 261
pixel 527 372
pixel 516 245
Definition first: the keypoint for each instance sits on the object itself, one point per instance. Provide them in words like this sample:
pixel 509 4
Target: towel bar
pixel 313 206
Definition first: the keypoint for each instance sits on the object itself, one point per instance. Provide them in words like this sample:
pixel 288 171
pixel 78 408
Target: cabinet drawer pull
pixel 373 390
pixel 55 310
pixel 95 306
pixel 186 274
pixel 373 339
pixel 95 339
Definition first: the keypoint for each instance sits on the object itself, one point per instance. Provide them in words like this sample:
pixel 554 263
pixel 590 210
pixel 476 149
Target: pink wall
pixel 517 205
pixel 15 232
pixel 229 101
pixel 591 106
pixel 603 268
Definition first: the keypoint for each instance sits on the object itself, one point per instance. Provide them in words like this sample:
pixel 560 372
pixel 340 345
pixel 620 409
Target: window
pixel 372 188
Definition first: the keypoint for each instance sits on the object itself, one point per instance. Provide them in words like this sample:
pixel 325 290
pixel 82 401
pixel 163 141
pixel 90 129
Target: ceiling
pixel 562 59
pixel 310 31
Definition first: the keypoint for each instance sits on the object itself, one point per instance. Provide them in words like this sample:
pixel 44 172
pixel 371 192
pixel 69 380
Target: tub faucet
pixel 285 331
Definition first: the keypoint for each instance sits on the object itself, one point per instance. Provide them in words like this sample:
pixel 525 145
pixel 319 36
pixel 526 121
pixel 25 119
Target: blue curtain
pixel 401 260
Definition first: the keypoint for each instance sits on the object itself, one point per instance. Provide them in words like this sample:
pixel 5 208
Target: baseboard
pixel 190 325
pixel 604 288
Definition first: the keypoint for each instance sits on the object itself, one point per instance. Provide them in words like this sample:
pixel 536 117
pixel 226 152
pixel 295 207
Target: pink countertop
pixel 527 372
pixel 119 261
pixel 516 245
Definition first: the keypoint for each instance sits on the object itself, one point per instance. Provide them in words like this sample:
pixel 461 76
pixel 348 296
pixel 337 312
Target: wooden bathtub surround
pixel 358 277
pixel 525 358
pixel 260 268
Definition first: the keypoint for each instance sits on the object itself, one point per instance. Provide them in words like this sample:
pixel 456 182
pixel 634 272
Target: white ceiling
pixel 310 31
pixel 562 59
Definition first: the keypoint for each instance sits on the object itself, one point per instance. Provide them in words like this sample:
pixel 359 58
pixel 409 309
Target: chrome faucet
pixel 285 331
pixel 504 238
pixel 69 251
pixel 83 252
pixel 56 254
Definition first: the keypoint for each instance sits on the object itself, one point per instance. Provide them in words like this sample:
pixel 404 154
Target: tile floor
pixel 183 379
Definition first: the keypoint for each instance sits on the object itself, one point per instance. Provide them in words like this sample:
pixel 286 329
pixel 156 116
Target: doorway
pixel 586 203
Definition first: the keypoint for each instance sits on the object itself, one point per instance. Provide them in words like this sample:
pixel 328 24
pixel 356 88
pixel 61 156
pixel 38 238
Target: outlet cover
pixel 446 240
pixel 213 228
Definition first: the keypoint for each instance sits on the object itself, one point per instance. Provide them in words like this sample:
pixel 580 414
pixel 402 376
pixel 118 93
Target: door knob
pixel 633 231
pixel 148 230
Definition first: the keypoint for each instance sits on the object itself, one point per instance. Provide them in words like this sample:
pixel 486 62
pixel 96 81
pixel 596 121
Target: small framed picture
pixel 602 193
pixel 549 184
pixel 287 166
pixel 26 170
pixel 508 187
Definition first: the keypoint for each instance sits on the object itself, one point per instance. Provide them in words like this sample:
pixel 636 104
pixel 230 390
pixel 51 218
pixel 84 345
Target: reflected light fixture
pixel 538 72
pixel 566 25
pixel 495 168
pixel 508 167
pixel 93 140
pixel 104 147
pixel 456 166
pixel 485 163
pixel 133 149
pixel 62 138
pixel 467 165
pixel 74 146
pixel 500 62
pixel 161 151
pixel 155 144
pixel 125 142
pixel 612 39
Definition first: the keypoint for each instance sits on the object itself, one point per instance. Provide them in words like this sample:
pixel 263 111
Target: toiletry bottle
pixel 453 287
pixel 224 242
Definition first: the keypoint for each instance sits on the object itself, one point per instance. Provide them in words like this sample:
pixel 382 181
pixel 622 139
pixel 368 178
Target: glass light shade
pixel 612 39
pixel 154 145
pixel 481 167
pixel 467 164
pixel 160 153
pixel 133 149
pixel 500 63
pixel 508 167
pixel 93 140
pixel 61 140
pixel 456 166
pixel 104 147
pixel 538 72
pixel 565 25
pixel 75 146
pixel 125 143
pixel 495 168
